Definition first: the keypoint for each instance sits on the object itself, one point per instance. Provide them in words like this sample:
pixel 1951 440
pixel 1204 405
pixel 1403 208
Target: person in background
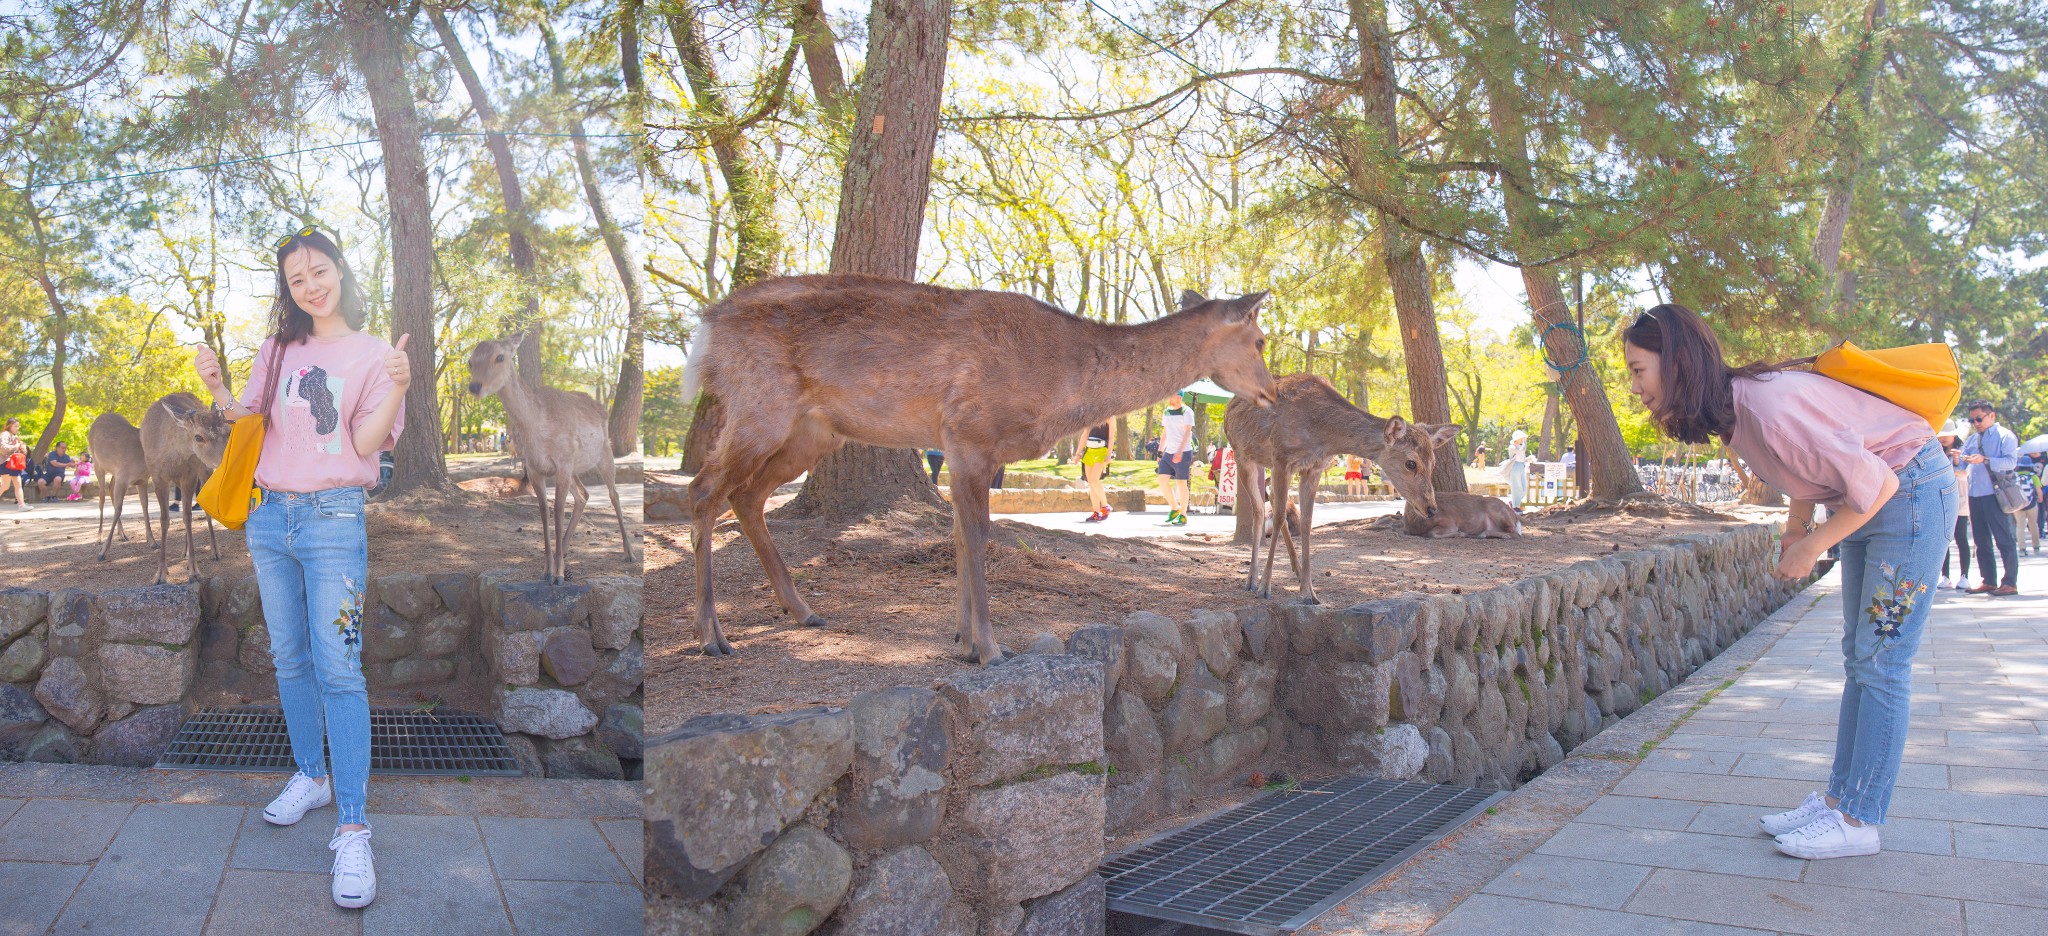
pixel 1952 445
pixel 1176 458
pixel 1991 447
pixel 2026 521
pixel 1094 460
pixel 936 459
pixel 81 475
pixel 1354 475
pixel 1479 456
pixel 55 465
pixel 14 464
pixel 1517 466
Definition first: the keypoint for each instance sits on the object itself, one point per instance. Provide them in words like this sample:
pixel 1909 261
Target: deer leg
pixel 547 543
pixel 212 538
pixel 575 516
pixel 706 499
pixel 624 539
pixel 1308 506
pixel 107 531
pixel 1278 507
pixel 1250 497
pixel 191 554
pixel 564 488
pixel 808 443
pixel 971 475
pixel 163 540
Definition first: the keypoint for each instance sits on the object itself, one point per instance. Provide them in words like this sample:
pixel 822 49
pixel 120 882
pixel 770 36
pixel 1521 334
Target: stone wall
pixel 983 803
pixel 109 677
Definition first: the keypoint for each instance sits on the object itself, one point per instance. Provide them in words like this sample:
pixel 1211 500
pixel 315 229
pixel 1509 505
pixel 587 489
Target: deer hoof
pixel 718 648
pixel 814 621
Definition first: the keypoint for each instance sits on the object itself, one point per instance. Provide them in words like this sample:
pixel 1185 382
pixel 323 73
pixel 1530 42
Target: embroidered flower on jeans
pixel 1892 601
pixel 350 623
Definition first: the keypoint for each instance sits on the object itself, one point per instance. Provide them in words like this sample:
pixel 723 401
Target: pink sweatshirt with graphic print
pixel 326 388
pixel 1820 440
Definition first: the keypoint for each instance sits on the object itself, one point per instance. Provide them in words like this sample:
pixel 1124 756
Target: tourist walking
pixel 2026 533
pixel 332 398
pixel 14 469
pixel 1893 492
pixel 1094 459
pixel 1176 458
pixel 1952 446
pixel 1991 448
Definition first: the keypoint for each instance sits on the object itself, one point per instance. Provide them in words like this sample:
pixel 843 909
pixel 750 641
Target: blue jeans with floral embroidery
pixel 1888 570
pixel 312 561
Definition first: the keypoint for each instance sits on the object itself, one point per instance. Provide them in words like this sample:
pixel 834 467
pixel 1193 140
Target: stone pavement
pixel 108 850
pixel 1674 848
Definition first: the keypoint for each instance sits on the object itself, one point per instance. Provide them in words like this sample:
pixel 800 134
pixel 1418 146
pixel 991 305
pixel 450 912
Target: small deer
pixel 116 447
pixel 561 435
pixel 803 363
pixel 1298 436
pixel 1461 514
pixel 183 440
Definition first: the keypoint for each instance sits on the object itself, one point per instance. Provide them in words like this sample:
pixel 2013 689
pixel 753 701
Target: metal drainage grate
pixel 1273 865
pixel 402 741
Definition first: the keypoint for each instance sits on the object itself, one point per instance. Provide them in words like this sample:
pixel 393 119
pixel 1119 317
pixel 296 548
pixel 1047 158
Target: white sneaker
pixel 1830 836
pixel 355 877
pixel 303 793
pixel 1796 819
pixel 1945 583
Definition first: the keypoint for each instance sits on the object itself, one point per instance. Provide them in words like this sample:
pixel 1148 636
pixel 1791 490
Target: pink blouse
pixel 1822 441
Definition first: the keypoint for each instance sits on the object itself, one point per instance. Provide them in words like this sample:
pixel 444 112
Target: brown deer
pixel 1460 514
pixel 183 440
pixel 1298 436
pixel 804 363
pixel 561 435
pixel 117 465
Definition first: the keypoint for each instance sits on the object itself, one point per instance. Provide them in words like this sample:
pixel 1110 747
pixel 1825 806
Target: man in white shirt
pixel 1176 458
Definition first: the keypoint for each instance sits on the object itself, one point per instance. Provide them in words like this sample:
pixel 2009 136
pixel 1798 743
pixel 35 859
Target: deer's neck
pixel 1369 432
pixel 1144 363
pixel 520 407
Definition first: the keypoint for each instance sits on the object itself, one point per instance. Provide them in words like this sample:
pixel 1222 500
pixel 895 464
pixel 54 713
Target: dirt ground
pixel 887 587
pixel 486 525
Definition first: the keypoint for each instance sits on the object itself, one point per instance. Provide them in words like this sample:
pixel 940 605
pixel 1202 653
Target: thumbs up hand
pixel 397 364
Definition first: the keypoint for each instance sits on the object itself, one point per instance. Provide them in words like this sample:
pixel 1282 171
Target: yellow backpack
pixel 230 490
pixel 1924 379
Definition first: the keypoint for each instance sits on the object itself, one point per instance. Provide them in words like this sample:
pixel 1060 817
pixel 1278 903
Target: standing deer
pixel 183 440
pixel 1459 514
pixel 116 447
pixel 803 363
pixel 560 435
pixel 1310 425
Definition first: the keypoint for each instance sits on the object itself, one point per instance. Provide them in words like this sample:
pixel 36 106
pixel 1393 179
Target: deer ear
pixel 1246 308
pixel 1190 299
pixel 1439 436
pixel 1395 427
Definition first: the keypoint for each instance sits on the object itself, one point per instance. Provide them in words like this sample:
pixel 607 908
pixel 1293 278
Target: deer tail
pixel 693 365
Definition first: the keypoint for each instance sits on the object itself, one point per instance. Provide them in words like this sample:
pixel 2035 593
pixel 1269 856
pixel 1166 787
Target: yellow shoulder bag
pixel 1923 379
pixel 229 493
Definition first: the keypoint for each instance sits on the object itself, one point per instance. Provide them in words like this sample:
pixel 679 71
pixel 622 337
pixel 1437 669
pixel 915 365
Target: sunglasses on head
pixel 307 231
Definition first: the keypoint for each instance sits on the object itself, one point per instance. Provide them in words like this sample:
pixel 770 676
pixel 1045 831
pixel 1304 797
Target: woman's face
pixel 1645 375
pixel 315 282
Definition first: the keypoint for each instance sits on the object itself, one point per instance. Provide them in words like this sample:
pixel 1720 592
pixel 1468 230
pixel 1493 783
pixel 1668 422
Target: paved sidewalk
pixel 1673 846
pixel 108 850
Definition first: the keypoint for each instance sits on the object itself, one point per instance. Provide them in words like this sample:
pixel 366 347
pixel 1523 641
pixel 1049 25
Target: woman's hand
pixel 397 365
pixel 207 364
pixel 1798 557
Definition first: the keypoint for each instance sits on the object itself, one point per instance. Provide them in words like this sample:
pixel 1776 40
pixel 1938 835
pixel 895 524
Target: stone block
pixel 1105 645
pixel 621 730
pixel 614 610
pixel 409 594
pixel 21 609
pixel 139 739
pixel 1045 644
pixel 1198 712
pixel 619 679
pixel 1011 718
pixel 580 758
pixel 1079 910
pixel 1153 652
pixel 1375 631
pixel 146 674
pixel 158 614
pixel 722 787
pixel 514 655
pixel 1397 753
pixel 1222 760
pixel 252 650
pixel 22 660
pixel 567 655
pixel 534 606
pixel 1033 838
pixel 55 744
pixel 1216 638
pixel 550 713
pixel 1251 692
pixel 527 753
pixel 1134 797
pixel 414 671
pixel 67 693
pixel 387 636
pixel 793 887
pixel 896 785
pixel 219 641
pixel 1340 695
pixel 902 893
pixel 72 631
pixel 458 592
pixel 1130 735
pixel 21 716
pixel 442 634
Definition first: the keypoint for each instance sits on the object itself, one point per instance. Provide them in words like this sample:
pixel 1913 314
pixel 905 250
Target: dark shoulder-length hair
pixel 292 325
pixel 1697 402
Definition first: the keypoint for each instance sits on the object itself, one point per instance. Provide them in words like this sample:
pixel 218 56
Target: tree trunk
pixel 517 221
pixel 624 422
pixel 377 49
pixel 1545 450
pixel 1834 216
pixel 60 336
pixel 881 216
pixel 1379 141
pixel 1606 463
